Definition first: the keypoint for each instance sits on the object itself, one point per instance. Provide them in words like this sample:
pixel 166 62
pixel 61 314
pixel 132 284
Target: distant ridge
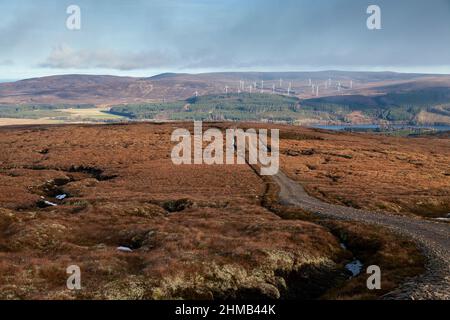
pixel 106 89
pixel 166 75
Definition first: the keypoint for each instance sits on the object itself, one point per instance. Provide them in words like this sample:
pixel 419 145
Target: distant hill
pixel 326 96
pixel 233 107
pixel 416 107
pixel 93 89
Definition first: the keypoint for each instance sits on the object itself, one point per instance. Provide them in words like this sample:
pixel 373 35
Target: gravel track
pixel 432 237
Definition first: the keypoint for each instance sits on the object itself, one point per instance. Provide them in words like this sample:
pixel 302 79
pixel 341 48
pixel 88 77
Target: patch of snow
pixel 443 219
pixel 61 196
pixel 50 203
pixel 354 267
pixel 124 249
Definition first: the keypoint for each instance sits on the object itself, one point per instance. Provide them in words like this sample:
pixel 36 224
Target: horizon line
pixel 219 72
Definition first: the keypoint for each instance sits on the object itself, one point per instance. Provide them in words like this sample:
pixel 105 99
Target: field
pixel 54 114
pixel 18 121
pixel 195 231
pixel 90 114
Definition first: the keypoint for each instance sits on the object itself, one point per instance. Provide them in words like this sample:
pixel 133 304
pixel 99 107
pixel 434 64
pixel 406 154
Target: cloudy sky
pixel 145 37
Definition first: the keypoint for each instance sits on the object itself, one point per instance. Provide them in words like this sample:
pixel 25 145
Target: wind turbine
pixel 310 83
pixel 273 88
pixel 226 89
pixel 281 83
pixel 262 86
pixel 351 84
pixel 317 91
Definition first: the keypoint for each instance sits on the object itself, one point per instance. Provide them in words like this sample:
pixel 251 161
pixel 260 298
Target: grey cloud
pixel 231 34
pixel 24 26
pixel 64 57
pixel 6 62
pixel 316 33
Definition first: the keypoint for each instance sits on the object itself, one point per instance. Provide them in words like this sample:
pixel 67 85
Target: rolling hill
pixel 341 96
pixel 112 89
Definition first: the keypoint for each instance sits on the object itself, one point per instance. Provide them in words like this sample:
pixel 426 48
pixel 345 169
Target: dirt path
pixel 433 237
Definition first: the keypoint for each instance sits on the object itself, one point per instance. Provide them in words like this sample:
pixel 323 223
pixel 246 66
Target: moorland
pixel 204 232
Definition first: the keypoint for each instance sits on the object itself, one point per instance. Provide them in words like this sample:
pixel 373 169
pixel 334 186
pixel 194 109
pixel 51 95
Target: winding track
pixel 432 237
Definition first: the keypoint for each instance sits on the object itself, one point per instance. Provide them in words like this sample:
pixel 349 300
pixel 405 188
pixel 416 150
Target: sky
pixel 147 37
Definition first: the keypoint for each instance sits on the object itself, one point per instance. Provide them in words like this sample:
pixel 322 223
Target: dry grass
pixel 399 175
pixel 224 240
pixel 397 257
pixel 122 187
pixel 20 122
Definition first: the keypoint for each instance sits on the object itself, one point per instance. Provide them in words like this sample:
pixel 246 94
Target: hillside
pixel 297 97
pixel 416 107
pixel 420 106
pixel 234 107
pixel 195 232
pixel 93 89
